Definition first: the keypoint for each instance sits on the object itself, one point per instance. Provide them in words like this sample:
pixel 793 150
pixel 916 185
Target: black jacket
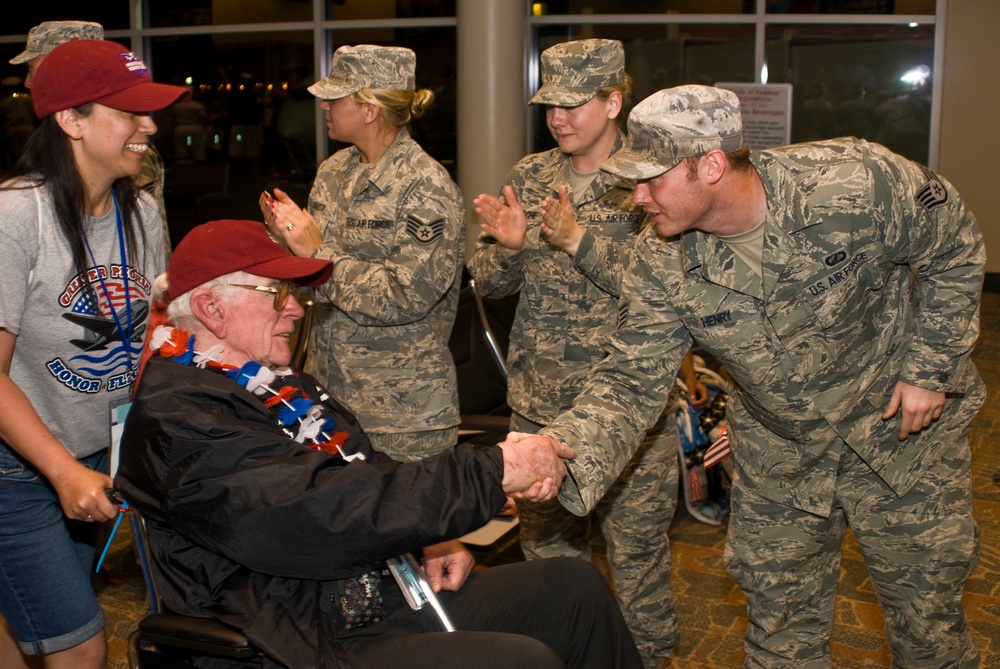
pixel 249 527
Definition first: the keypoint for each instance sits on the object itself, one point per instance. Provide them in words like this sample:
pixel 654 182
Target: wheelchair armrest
pixel 199 635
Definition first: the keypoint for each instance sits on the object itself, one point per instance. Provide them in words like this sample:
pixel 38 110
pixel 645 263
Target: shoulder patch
pixel 933 194
pixel 424 232
pixel 836 258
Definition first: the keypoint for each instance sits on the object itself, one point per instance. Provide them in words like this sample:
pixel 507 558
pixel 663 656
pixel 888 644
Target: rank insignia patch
pixel 424 232
pixel 933 194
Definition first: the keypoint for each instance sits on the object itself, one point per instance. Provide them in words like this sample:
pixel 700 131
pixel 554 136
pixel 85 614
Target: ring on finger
pixel 90 518
pixel 289 226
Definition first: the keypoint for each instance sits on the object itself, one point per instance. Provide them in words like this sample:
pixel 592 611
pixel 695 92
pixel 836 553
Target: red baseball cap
pixel 218 248
pixel 91 70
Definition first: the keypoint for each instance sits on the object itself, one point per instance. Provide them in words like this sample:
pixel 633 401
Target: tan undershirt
pixel 578 182
pixel 749 246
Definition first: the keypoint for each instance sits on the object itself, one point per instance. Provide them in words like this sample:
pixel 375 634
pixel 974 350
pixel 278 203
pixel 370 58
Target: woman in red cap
pixel 79 247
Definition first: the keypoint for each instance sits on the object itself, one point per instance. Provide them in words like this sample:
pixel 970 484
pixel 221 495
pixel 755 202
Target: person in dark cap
pixel 839 285
pixel 393 222
pixel 222 434
pixel 80 246
pixel 560 234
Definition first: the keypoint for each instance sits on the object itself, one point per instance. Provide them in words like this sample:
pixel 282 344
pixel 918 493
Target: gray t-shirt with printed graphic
pixel 69 356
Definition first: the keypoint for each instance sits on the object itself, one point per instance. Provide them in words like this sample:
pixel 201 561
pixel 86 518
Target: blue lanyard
pixel 125 508
pixel 125 335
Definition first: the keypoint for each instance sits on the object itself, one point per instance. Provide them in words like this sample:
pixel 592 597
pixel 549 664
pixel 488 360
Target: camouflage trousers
pixel 633 518
pixel 411 446
pixel 919 549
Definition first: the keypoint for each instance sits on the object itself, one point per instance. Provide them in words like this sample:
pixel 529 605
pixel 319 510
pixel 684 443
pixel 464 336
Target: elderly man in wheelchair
pixel 266 508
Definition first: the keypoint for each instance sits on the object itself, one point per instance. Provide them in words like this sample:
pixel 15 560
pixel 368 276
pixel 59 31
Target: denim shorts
pixel 45 561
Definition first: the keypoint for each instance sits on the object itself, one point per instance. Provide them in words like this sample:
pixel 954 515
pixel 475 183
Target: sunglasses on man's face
pixel 282 291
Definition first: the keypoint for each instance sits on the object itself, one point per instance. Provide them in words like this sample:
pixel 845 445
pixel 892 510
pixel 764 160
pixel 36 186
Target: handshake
pixel 533 467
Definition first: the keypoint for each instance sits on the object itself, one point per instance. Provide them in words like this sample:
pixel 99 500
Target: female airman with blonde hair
pixel 393 222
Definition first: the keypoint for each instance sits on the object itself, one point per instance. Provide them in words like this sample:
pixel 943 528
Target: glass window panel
pixel 347 10
pixel 250 121
pixel 23 16
pixel 435 51
pixel 873 82
pixel 12 76
pixel 555 7
pixel 251 125
pixel 172 13
pixel 850 6
pixel 17 115
pixel 660 56
pixel 644 7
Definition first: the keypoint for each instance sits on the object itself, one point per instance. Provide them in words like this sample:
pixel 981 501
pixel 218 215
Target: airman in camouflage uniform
pixel 395 231
pixel 847 333
pixel 568 304
pixel 48 35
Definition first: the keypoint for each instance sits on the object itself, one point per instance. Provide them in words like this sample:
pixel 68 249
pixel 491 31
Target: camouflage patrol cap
pixel 573 72
pixel 46 36
pixel 674 124
pixel 367 66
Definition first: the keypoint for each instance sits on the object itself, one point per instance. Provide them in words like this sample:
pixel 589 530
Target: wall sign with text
pixel 766 111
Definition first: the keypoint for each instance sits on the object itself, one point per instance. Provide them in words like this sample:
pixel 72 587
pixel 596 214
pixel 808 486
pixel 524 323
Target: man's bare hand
pixel 698 394
pixel 920 407
pixel 447 565
pixel 533 467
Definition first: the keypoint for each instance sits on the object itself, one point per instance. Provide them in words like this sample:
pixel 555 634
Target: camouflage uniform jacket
pixel 396 236
pixel 872 270
pixel 567 305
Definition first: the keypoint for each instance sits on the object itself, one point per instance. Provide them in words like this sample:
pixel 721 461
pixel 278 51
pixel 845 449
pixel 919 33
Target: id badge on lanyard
pixel 118 412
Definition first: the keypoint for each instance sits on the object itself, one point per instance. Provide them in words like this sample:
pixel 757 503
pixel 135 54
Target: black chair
pixel 478 345
pixel 165 640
